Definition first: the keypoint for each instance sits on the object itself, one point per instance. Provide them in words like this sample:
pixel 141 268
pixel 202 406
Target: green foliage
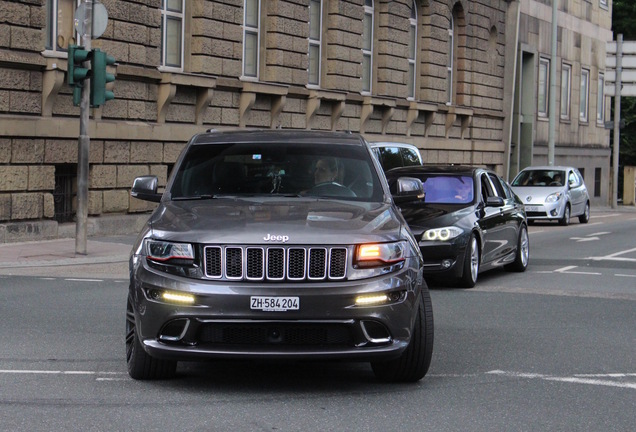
pixel 624 18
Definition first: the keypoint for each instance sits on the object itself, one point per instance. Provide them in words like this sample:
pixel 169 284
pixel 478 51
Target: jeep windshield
pixel 291 169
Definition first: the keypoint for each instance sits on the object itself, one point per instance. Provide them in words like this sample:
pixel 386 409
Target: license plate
pixel 533 208
pixel 274 304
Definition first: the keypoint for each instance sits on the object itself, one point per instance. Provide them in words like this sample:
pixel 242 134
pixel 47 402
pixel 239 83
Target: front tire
pixel 565 220
pixel 470 271
pixel 522 256
pixel 414 362
pixel 585 217
pixel 141 366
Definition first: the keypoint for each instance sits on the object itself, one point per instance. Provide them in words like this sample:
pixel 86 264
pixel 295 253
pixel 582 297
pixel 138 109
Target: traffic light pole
pixel 83 150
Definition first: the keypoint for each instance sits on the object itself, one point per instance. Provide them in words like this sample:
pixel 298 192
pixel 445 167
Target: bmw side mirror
pixel 494 201
pixel 408 189
pixel 145 188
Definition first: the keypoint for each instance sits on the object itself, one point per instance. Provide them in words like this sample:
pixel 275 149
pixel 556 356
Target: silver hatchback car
pixel 553 193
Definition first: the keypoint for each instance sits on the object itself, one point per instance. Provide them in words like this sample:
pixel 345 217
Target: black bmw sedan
pixel 469 221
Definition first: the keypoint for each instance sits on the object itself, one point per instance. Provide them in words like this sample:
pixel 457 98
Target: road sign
pixel 628 68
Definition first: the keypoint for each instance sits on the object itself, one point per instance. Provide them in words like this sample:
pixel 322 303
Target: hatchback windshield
pixel 242 169
pixel 539 178
pixel 445 189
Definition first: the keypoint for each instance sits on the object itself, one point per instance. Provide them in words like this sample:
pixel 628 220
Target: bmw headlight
pixel 442 234
pixel 555 197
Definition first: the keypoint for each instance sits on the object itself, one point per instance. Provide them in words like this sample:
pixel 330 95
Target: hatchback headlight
pixel 555 197
pixel 442 234
pixel 380 254
pixel 163 251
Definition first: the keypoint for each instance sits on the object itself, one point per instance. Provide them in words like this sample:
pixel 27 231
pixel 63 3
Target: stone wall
pixel 156 110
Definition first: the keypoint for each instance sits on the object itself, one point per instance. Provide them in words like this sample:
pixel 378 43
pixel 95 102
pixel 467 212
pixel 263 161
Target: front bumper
pixel 444 258
pixel 545 211
pixel 327 325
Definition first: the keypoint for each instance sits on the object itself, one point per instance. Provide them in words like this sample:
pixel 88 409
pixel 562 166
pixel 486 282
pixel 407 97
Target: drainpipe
pixel 510 76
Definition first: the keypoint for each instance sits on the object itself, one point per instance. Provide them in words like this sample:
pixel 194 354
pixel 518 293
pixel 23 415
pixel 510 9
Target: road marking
pixel 565 270
pixel 606 216
pixel 625 275
pixel 615 256
pixel 576 379
pixel 56 372
pixel 84 280
pixel 590 237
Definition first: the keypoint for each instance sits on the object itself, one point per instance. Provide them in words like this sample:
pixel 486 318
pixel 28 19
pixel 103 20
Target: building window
pixel 367 46
pixel 585 89
pixel 59 24
pixel 172 33
pixel 450 60
pixel 315 36
pixel 597 182
pixel 65 179
pixel 566 75
pixel 603 3
pixel 251 38
pixel 600 103
pixel 542 99
pixel 412 51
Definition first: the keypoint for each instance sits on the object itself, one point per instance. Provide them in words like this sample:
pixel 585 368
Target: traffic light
pixel 77 73
pixel 99 78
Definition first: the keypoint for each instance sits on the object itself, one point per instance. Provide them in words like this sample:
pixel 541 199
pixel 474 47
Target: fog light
pixel 554 212
pixel 446 264
pixel 372 299
pixel 177 297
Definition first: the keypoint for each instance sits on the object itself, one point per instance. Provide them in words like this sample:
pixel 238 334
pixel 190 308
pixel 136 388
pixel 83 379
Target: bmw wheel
pixel 414 362
pixel 471 264
pixel 141 365
pixel 522 256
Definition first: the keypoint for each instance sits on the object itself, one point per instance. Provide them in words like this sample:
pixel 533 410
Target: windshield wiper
pixel 194 197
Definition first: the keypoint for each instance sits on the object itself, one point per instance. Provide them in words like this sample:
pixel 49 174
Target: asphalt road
pixel 552 349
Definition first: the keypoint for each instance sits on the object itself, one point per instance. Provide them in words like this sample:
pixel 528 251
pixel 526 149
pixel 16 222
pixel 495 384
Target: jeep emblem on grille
pixel 276 238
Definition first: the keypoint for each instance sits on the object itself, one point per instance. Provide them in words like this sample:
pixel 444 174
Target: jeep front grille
pixel 275 263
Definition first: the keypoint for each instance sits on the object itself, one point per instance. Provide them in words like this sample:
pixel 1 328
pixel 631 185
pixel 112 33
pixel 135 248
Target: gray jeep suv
pixel 277 245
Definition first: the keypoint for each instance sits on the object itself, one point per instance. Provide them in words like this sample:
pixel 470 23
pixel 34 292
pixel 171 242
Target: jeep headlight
pixel 380 254
pixel 555 197
pixel 442 234
pixel 163 251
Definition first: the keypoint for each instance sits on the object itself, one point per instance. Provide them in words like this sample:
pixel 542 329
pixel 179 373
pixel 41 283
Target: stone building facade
pixel 580 138
pixel 428 72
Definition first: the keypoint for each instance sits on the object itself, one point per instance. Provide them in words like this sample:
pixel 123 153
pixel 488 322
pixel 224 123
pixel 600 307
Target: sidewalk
pixel 106 257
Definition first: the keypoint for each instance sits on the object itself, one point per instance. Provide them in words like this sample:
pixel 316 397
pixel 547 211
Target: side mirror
pixel 408 189
pixel 494 201
pixel 145 188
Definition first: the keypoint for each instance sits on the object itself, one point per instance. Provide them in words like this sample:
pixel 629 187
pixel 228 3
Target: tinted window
pixel 410 157
pixel 276 168
pixel 445 189
pixel 390 157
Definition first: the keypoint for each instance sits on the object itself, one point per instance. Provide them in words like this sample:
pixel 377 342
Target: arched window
pixel 251 38
pixel 367 47
pixel 315 38
pixel 412 51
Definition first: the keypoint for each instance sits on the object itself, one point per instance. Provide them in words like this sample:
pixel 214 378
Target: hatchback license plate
pixel 274 304
pixel 533 208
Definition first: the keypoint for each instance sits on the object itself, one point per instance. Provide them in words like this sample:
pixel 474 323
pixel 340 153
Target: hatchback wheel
pixel 414 362
pixel 471 264
pixel 522 255
pixel 585 217
pixel 142 366
pixel 565 220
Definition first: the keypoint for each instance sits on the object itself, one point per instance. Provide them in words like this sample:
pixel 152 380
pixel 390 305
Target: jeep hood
pixel 254 220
